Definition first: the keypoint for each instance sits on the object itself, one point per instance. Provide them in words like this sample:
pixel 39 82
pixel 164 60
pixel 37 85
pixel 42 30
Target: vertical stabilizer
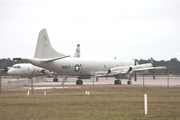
pixel 44 48
pixel 77 52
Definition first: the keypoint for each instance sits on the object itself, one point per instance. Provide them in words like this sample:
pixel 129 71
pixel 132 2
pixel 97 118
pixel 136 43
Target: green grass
pixel 107 102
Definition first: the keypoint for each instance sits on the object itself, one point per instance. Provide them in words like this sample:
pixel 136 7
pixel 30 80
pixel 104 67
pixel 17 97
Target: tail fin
pixel 44 48
pixel 77 52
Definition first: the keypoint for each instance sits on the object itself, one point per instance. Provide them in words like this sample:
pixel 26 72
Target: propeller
pixel 4 70
pixel 130 69
pixel 152 62
pixel 135 75
pixel 42 71
pixel 109 71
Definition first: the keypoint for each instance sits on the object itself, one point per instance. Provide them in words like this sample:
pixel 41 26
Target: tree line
pixel 172 65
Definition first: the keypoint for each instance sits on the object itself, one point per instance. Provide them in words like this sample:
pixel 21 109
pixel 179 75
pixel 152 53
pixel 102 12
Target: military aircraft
pixel 85 68
pixel 28 70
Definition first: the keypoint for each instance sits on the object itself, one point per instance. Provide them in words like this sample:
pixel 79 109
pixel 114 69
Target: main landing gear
pixel 129 82
pixel 79 82
pixel 55 79
pixel 118 82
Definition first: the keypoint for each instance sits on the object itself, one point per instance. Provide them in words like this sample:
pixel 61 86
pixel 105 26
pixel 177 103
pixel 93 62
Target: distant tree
pixel 173 65
pixel 9 63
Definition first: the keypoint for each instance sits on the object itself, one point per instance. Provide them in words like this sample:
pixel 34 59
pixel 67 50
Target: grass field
pixel 107 102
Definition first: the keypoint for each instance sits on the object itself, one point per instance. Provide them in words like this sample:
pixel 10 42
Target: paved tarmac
pixel 173 81
pixel 9 81
pixel 159 81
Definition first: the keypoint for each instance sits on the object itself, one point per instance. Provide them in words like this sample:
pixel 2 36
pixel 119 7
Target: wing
pixel 149 68
pixel 128 70
pixel 113 72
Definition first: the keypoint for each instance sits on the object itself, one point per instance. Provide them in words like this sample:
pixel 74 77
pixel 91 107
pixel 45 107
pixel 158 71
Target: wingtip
pixel 17 58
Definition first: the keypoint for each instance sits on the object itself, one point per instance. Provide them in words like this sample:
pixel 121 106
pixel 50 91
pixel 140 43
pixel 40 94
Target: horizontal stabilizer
pixel 53 59
pixel 17 58
pixel 42 60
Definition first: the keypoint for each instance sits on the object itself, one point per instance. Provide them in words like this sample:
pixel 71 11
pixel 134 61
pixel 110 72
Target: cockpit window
pixel 16 66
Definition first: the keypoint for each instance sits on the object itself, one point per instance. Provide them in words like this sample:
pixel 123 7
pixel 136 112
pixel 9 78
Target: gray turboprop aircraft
pixel 85 68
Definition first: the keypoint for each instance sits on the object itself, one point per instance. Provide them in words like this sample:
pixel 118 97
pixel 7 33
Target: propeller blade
pixel 152 62
pixel 135 76
pixel 1 72
pixel 6 69
pixel 169 72
pixel 154 75
pixel 135 62
pixel 130 69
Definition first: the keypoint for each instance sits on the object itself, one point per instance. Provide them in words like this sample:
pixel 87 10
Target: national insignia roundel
pixel 76 68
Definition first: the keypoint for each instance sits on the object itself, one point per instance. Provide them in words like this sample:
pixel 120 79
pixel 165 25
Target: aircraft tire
pixel 79 82
pixel 96 78
pixel 129 82
pixel 117 82
pixel 55 80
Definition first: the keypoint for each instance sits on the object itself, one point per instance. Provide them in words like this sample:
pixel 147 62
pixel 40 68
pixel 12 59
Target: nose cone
pixel 10 72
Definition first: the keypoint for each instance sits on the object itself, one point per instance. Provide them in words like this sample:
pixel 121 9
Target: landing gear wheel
pixel 96 78
pixel 117 82
pixel 129 82
pixel 79 82
pixel 55 80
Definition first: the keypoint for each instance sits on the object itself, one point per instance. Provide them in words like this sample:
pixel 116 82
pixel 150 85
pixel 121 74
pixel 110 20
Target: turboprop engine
pixel 120 70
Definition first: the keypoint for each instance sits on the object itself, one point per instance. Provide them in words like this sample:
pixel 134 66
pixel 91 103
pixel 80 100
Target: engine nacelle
pixel 42 71
pixel 123 69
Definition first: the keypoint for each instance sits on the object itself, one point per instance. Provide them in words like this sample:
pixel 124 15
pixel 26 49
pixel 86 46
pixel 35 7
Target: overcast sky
pixel 104 28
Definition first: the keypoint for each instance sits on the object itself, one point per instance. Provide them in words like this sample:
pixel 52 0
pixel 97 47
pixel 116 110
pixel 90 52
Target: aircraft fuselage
pixel 26 70
pixel 80 67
